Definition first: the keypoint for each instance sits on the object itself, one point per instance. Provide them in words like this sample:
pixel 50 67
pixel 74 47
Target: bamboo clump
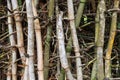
pixel 59 39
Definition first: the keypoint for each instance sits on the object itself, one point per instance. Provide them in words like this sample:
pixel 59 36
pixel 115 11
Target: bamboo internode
pixel 59 39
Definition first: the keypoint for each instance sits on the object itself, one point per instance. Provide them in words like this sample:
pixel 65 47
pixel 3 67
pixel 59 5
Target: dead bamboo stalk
pixel 39 44
pixel 100 40
pixel 61 46
pixel 75 39
pixel 20 39
pixel 29 73
pixel 111 41
pixel 13 43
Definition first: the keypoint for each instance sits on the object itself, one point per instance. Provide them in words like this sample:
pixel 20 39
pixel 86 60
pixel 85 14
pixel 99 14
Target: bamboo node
pixel 8 74
pixel 71 19
pixel 14 74
pixel 40 70
pixel 30 17
pixel 107 59
pixel 28 56
pixel 66 69
pixel 36 17
pixel 37 28
pixel 19 46
pixel 9 23
pixel 77 51
pixel 19 20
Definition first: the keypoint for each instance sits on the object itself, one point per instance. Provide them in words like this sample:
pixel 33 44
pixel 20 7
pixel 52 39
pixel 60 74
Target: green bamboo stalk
pixel 79 13
pixel 111 41
pixel 48 39
pixel 19 2
pixel 94 69
pixel 62 75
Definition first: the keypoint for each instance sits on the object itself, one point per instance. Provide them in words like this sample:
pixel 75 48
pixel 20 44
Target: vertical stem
pixel 39 44
pixel 36 2
pixel 94 68
pixel 79 13
pixel 100 40
pixel 9 73
pixel 30 47
pixel 94 71
pixel 48 39
pixel 12 42
pixel 20 39
pixel 61 46
pixel 75 39
pixel 111 41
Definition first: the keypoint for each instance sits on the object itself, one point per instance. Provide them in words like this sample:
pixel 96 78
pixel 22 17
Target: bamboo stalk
pixel 61 46
pixel 9 73
pixel 62 75
pixel 26 73
pixel 13 43
pixel 79 13
pixel 111 41
pixel 36 2
pixel 94 69
pixel 75 39
pixel 29 68
pixel 100 40
pixel 48 39
pixel 39 44
pixel 77 22
pixel 20 39
pixel 60 71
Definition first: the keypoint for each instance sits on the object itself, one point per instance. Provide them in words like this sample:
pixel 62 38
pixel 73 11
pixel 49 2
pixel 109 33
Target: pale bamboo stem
pixel 39 44
pixel 13 43
pixel 20 39
pixel 75 39
pixel 61 46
